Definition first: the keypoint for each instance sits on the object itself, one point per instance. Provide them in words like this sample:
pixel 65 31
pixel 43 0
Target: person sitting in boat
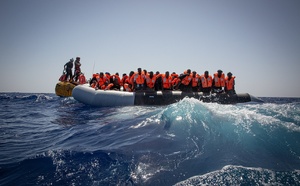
pixel 81 78
pixel 158 82
pixel 77 69
pixel 116 81
pixel 145 72
pixel 63 77
pixel 122 83
pixel 107 74
pixel 167 81
pixel 206 83
pixel 195 81
pixel 218 82
pixel 186 80
pixel 229 84
pixel 103 82
pixel 128 85
pixel 94 80
pixel 175 80
pixel 150 80
pixel 138 80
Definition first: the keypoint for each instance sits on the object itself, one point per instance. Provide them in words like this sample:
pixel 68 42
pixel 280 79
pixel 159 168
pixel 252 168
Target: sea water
pixel 48 140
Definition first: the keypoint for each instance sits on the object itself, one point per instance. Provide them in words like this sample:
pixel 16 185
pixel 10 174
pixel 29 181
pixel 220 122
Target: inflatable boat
pixel 106 98
pixel 64 89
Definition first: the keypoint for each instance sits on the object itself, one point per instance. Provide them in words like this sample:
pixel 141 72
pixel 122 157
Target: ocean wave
pixel 27 97
pixel 60 141
pixel 239 175
pixel 63 167
pixel 4 96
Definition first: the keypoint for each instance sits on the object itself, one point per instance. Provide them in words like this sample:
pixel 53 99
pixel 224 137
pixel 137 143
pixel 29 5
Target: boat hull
pixel 107 98
pixel 90 96
pixel 169 97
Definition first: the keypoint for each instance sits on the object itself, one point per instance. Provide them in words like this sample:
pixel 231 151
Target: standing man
pixel 77 69
pixel 68 67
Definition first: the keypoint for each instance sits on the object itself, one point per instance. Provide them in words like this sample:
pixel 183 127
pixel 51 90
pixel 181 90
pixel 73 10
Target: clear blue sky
pixel 257 40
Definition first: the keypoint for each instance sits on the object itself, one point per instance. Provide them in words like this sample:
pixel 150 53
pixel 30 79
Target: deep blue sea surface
pixel 48 140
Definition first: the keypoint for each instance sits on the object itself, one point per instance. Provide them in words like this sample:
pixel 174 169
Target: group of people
pixel 187 81
pixel 142 80
pixel 78 76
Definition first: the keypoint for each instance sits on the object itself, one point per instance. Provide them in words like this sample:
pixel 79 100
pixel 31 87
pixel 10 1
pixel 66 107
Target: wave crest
pixel 239 175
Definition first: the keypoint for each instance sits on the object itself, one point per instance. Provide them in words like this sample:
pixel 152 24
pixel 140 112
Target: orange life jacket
pixel 97 76
pixel 174 75
pixel 151 81
pixel 109 86
pixel 167 82
pixel 127 88
pixel 123 80
pixel 81 79
pixel 206 82
pixel 229 83
pixel 195 81
pixel 63 77
pixel 128 83
pixel 186 80
pixel 175 81
pixel 219 82
pixel 102 81
pixel 94 84
pixel 130 79
pixel 139 79
pixel 108 76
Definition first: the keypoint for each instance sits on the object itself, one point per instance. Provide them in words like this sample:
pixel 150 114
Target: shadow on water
pixel 69 112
